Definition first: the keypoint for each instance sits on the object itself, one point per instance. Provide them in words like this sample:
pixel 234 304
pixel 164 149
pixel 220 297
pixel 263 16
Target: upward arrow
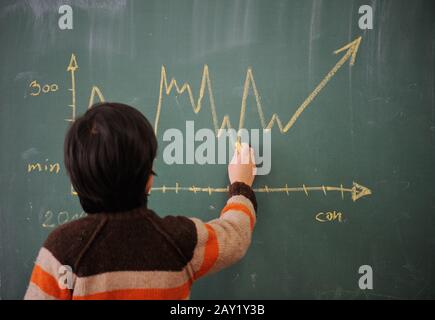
pixel 352 49
pixel 72 66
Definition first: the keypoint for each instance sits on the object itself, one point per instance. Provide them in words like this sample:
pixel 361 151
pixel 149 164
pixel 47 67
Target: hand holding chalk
pixel 242 166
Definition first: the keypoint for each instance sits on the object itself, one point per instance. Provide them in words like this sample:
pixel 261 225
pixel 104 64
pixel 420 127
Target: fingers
pixel 242 167
pixel 244 154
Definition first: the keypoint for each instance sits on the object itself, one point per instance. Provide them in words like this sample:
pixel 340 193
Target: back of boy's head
pixel 109 154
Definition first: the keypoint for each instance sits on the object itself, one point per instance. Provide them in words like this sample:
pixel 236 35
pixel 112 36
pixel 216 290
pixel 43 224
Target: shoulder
pixel 178 224
pixel 180 229
pixel 66 241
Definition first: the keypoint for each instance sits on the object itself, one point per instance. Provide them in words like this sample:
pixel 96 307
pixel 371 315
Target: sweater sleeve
pixel 52 276
pixel 224 241
pixel 47 277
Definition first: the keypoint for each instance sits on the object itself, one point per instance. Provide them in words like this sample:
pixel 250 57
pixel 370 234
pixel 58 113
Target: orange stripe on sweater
pixel 177 293
pixel 48 283
pixel 242 208
pixel 211 253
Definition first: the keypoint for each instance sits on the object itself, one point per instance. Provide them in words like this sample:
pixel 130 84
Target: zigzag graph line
pixel 167 87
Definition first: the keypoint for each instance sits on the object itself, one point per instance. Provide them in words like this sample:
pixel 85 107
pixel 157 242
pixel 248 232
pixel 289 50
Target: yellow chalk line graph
pixel 357 191
pixel 166 87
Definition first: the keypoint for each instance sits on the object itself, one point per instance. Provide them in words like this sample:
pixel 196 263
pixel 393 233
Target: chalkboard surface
pixel 352 179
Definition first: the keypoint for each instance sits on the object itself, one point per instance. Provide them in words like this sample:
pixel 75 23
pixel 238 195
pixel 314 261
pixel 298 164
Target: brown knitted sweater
pixel 139 255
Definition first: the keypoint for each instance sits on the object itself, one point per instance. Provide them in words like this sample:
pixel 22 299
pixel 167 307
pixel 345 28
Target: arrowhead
pixel 359 191
pixel 73 66
pixel 352 49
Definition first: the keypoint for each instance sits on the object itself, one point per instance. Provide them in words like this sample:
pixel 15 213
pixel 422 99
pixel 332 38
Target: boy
pixel 122 249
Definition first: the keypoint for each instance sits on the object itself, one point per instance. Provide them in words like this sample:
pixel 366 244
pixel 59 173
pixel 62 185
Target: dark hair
pixel 109 153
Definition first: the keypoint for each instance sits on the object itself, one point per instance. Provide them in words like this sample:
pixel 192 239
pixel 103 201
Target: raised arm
pixel 225 240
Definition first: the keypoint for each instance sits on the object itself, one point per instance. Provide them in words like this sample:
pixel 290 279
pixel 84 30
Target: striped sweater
pixel 139 255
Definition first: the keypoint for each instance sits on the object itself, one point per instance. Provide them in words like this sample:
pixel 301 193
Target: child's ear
pixel 149 183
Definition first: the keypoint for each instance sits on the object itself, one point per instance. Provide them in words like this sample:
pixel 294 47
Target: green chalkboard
pixel 361 149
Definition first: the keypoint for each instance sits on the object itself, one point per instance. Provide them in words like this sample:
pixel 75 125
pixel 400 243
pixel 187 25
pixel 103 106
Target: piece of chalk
pixel 238 146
